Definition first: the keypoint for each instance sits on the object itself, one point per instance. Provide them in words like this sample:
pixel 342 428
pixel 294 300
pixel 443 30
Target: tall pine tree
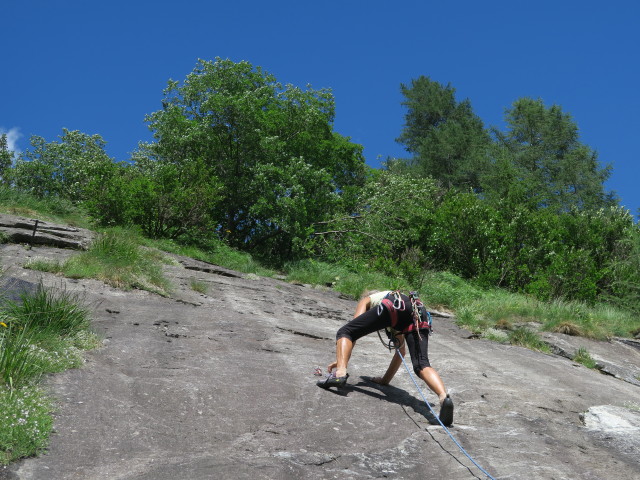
pixel 540 161
pixel 447 140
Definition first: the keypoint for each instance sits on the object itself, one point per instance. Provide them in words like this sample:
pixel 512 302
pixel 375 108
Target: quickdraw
pixel 418 309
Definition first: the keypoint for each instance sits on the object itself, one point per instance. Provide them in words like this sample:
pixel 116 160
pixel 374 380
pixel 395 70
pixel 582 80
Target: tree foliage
pixel 162 198
pixel 239 156
pixel 270 147
pixel 447 140
pixel 65 168
pixel 404 224
pixel 6 160
pixel 386 230
pixel 624 270
pixel 540 161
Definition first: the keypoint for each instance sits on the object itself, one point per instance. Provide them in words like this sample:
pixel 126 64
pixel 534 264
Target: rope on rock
pixel 434 414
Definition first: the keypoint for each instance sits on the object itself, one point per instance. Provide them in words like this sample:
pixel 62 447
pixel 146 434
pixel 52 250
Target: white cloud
pixel 13 135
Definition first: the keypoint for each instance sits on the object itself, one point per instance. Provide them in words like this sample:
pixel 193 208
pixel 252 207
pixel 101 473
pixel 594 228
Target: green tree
pixel 624 272
pixel 464 234
pixel 447 140
pixel 271 147
pixel 541 162
pixel 6 160
pixel 164 199
pixel 387 229
pixel 63 168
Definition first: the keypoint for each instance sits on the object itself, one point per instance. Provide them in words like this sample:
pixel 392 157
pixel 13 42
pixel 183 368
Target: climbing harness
pixel 397 347
pixel 393 307
pixel 420 316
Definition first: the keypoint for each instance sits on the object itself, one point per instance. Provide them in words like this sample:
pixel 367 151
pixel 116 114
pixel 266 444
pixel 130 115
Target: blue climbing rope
pixel 439 421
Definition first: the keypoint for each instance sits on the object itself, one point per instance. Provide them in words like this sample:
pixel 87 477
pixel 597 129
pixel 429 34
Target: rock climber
pixel 406 318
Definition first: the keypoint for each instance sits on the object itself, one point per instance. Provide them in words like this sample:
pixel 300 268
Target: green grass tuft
pixel 47 312
pixel 525 337
pixel 51 209
pixel 18 362
pixel 216 252
pixel 116 258
pixel 45 265
pixel 496 335
pixel 583 357
pixel 198 286
pixel 40 333
pixel 44 332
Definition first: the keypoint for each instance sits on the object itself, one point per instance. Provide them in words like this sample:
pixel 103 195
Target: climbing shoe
pixel 446 412
pixel 333 381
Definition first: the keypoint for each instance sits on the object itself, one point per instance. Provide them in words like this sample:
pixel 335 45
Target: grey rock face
pixel 619 426
pixel 222 386
pixel 38 232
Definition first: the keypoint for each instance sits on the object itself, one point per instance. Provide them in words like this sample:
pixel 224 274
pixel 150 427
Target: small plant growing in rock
pixel 44 265
pixel 504 324
pixel 583 357
pixel 524 337
pixel 634 406
pixel 198 286
pixel 42 333
pixel 496 335
pixel 569 328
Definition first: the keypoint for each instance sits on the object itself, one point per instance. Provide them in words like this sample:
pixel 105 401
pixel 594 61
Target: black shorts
pixel 376 319
pixel 419 349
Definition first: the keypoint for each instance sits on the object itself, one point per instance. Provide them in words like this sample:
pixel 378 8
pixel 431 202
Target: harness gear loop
pixel 392 340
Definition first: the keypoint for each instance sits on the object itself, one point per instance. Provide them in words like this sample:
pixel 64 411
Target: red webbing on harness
pixel 392 311
pixel 412 327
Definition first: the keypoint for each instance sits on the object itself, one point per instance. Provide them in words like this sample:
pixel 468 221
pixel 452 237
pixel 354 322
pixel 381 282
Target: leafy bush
pixel 463 235
pixel 389 224
pixel 161 198
pixel 623 288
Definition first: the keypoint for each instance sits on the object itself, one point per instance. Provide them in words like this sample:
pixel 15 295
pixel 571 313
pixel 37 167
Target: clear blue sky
pixel 100 68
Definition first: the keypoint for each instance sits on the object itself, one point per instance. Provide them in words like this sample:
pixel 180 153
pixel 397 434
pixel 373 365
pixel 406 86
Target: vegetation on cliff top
pixel 241 162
